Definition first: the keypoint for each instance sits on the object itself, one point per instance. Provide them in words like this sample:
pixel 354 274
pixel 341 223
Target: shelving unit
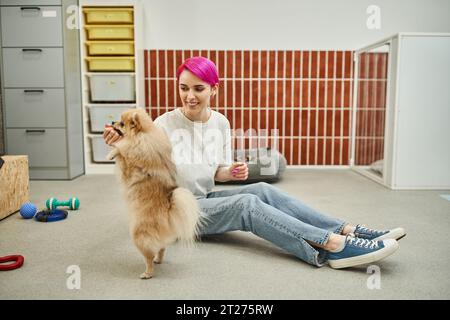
pixel 111 58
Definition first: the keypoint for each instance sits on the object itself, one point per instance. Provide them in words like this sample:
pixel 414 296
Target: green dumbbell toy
pixel 72 203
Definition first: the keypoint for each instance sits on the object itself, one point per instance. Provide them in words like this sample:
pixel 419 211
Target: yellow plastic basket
pixel 109 32
pixel 106 48
pixel 110 64
pixel 105 15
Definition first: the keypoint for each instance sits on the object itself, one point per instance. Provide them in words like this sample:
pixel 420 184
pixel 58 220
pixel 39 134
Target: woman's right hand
pixel 110 135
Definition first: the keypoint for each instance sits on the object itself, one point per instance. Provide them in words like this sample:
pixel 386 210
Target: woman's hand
pixel 238 171
pixel 110 135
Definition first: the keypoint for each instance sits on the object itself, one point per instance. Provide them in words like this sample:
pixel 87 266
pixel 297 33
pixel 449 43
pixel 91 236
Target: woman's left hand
pixel 238 171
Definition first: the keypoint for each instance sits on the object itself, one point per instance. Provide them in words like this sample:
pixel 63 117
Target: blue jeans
pixel 272 215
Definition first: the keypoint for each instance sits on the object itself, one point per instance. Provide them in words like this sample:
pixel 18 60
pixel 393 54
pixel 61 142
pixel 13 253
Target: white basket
pixel 112 88
pixel 101 115
pixel 100 149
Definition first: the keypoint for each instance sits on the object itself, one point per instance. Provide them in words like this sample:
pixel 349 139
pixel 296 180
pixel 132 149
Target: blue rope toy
pixel 50 215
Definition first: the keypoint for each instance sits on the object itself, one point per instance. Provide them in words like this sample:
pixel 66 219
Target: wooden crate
pixel 14 184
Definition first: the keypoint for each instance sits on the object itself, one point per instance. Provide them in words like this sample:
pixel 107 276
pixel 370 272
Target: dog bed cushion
pixel 264 165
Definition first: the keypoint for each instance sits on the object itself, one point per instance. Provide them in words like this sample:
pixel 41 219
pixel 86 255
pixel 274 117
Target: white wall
pixel 284 24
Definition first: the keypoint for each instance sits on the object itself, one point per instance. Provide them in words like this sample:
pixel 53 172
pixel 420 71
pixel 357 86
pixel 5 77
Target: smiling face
pixel 195 94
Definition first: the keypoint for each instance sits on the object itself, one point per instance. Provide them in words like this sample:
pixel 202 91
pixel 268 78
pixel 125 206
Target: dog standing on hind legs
pixel 160 211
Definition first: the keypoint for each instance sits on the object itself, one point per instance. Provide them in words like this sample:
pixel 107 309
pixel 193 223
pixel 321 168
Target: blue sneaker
pixel 371 234
pixel 361 251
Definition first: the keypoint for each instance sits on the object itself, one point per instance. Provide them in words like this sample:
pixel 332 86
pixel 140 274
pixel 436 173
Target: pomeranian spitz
pixel 161 212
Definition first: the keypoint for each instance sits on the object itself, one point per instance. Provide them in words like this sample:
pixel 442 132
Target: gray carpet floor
pixel 236 265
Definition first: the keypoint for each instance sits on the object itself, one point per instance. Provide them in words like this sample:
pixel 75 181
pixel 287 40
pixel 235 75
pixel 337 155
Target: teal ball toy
pixel 28 210
pixel 72 203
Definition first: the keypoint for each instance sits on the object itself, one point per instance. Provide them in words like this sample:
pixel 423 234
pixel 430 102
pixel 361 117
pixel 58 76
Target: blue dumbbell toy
pixel 72 203
pixel 28 210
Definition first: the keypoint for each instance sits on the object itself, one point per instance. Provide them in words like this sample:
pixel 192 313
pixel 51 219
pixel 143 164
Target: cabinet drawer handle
pixel 33 91
pixel 30 8
pixel 37 50
pixel 35 131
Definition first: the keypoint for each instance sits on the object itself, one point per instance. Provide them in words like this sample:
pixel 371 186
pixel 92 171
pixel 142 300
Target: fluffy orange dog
pixel 161 212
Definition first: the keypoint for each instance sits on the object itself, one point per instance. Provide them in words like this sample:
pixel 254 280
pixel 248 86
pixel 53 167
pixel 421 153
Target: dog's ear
pixel 140 121
pixel 135 120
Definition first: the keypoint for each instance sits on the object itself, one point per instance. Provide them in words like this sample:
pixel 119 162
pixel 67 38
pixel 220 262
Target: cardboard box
pixel 14 184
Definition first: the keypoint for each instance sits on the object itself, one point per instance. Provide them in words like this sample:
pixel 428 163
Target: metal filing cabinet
pixel 41 86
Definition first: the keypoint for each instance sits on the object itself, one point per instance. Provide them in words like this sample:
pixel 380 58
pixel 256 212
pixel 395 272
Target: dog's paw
pixel 157 261
pixel 112 154
pixel 145 275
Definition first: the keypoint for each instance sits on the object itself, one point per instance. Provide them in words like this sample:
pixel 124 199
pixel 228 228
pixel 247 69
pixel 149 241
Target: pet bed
pixel 264 165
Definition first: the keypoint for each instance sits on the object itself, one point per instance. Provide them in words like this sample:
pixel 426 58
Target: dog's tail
pixel 186 215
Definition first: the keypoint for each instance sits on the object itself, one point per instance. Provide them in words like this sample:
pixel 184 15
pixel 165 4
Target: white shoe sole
pixel 395 234
pixel 390 246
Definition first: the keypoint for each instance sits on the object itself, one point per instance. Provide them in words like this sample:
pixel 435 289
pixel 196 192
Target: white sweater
pixel 198 148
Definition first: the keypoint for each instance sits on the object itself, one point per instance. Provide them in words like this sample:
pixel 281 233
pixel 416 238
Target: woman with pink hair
pixel 201 142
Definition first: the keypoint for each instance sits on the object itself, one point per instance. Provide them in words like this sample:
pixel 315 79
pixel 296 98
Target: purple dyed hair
pixel 202 68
